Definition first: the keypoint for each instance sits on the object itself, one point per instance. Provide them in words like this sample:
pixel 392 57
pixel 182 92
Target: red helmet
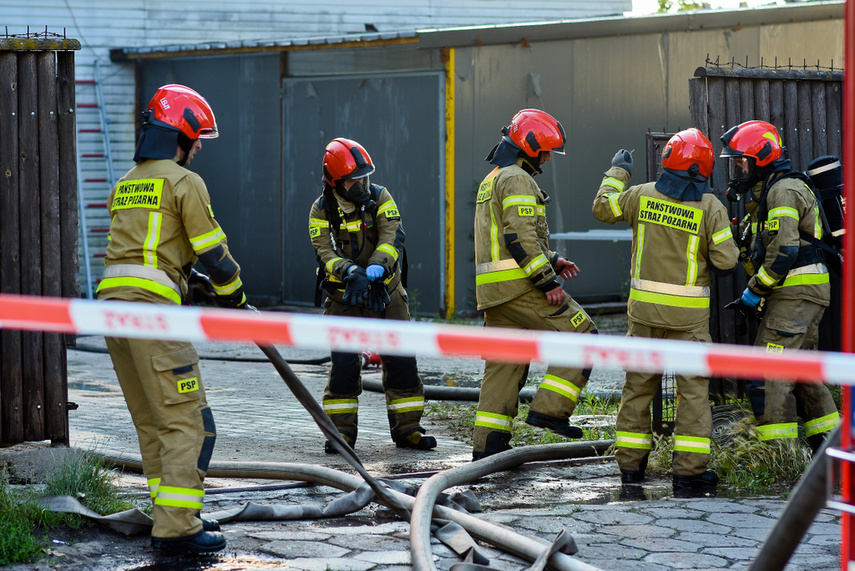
pixel 345 159
pixel 755 139
pixel 689 151
pixel 184 110
pixel 534 131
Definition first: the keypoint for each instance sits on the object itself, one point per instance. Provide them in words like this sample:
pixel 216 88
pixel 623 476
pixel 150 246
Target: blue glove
pixel 375 271
pixel 750 298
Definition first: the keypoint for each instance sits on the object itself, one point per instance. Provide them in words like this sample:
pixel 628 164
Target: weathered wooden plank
pixel 805 128
pixel 49 153
pixel 765 73
pixel 790 131
pixel 746 99
pixel 68 205
pixel 698 105
pixel 762 107
pixel 11 403
pixel 819 130
pixel 776 104
pixel 834 121
pixel 31 258
pixel 717 127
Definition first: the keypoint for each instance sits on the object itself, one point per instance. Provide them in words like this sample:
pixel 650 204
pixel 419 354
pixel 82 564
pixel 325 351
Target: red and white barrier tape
pixel 144 320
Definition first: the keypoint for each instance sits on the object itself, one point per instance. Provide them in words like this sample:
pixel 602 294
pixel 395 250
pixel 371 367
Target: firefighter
pixel 516 283
pixel 786 271
pixel 356 229
pixel 161 224
pixel 681 234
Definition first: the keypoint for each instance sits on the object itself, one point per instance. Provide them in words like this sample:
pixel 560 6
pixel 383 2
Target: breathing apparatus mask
pixel 358 194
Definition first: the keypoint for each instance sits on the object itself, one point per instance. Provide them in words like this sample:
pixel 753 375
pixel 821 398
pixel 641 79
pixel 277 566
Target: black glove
pixel 744 312
pixel 356 287
pixel 378 298
pixel 623 160
pixel 200 290
pixel 236 300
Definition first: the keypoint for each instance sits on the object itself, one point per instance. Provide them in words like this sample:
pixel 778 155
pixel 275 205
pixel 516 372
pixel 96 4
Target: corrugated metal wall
pixel 608 92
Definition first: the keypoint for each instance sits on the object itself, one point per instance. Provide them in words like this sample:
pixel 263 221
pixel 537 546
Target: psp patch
pixel 188 385
pixel 578 319
pixel 525 210
pixel 773 348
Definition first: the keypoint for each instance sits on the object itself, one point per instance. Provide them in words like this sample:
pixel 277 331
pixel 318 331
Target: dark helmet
pixel 750 148
pixel 345 159
pixel 689 152
pixel 534 131
pixel 176 115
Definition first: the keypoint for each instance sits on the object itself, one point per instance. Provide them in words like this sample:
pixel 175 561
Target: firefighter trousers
pixel 693 418
pixel 559 391
pixel 402 386
pixel 163 390
pixel 791 324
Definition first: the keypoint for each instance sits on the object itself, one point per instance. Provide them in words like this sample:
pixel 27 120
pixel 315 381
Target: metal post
pixel 847 469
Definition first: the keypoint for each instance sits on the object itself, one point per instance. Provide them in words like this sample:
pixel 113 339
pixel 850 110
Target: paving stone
pixel 386 557
pixel 699 526
pixel 650 530
pixel 716 540
pixel 327 563
pixel 742 520
pixel 293 549
pixel 686 560
pixel 613 517
pixel 655 544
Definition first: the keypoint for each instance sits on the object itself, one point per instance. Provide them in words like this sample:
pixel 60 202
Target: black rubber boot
pixel 698 485
pixel 202 542
pixel 417 440
pixel 330 449
pixel 208 524
pixel 496 442
pixel 635 476
pixel 555 424
pixel 816 442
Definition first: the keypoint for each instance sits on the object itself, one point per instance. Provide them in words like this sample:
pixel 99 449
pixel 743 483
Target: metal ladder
pixel 95 179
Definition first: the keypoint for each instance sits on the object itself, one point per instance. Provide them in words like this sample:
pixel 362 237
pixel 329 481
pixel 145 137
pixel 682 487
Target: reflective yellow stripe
pixel 765 278
pixel 340 406
pixel 153 485
pixel 537 262
pixel 205 241
pixel 614 183
pixel 670 289
pixel 388 205
pixel 615 205
pixel 331 264
pixel 494 421
pixel 775 431
pixel 142 283
pixel 494 236
pixel 638 250
pixel 318 222
pixel 822 424
pixel 691 444
pixel 561 386
pixel 692 259
pixel 406 405
pixel 634 440
pixel 517 200
pixel 722 235
pixel 501 276
pixel 180 497
pixel 783 211
pixel 670 300
pixel 806 279
pixel 389 250
pixel 228 288
pixel 817 224
pixel 152 239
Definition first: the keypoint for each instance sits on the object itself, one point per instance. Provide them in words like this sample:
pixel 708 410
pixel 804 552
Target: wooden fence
pixel 38 226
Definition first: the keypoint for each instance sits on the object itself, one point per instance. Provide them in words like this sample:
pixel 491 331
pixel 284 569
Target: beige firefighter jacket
pixel 161 221
pixel 791 207
pixel 674 245
pixel 512 254
pixel 375 236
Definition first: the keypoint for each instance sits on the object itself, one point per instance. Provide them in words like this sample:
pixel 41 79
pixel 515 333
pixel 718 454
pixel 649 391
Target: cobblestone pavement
pixel 258 420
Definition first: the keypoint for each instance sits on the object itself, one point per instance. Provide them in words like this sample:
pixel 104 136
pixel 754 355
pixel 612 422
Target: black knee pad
pixel 208 443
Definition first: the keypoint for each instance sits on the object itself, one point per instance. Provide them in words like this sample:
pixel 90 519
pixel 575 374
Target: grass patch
pixel 24 525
